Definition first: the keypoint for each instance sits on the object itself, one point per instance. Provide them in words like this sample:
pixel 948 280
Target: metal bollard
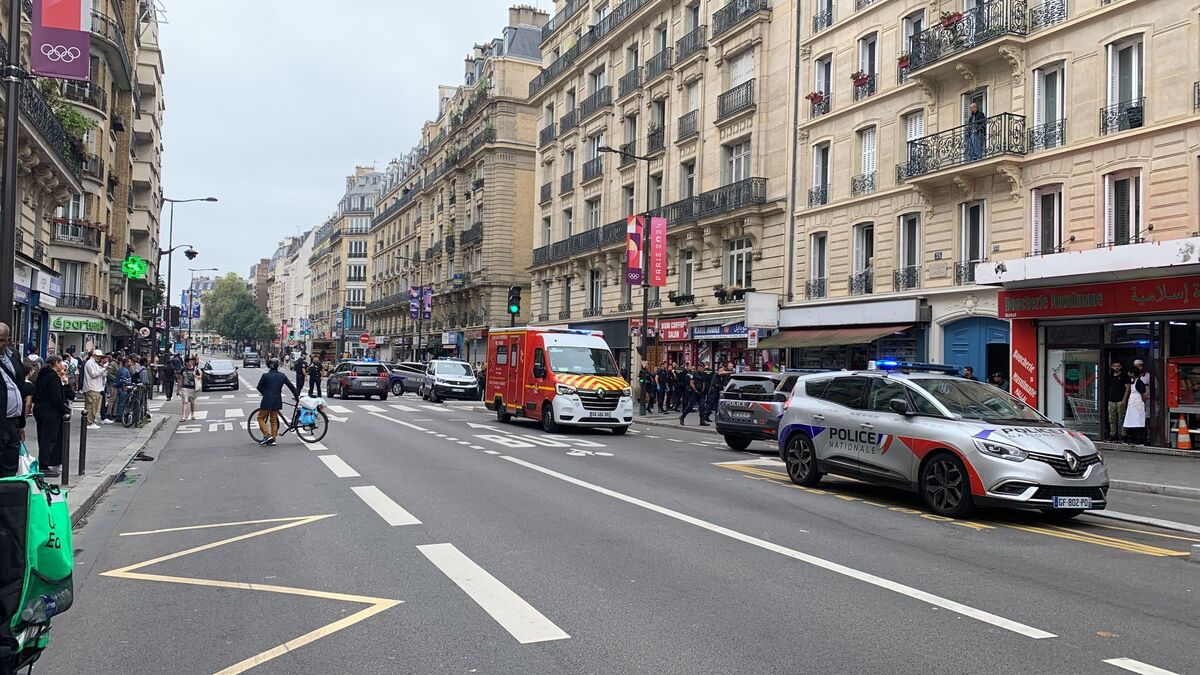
pixel 64 478
pixel 82 440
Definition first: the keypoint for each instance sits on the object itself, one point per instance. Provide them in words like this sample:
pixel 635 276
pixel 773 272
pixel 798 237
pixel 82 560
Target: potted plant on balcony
pixel 859 78
pixel 816 97
pixel 950 19
pixel 903 60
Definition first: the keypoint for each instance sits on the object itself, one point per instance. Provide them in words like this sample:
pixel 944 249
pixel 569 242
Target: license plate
pixel 369 385
pixel 598 414
pixel 459 390
pixel 1072 502
pixel 739 415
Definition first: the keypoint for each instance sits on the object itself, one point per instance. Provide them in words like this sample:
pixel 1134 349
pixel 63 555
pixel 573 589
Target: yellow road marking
pixel 1152 534
pixel 374 605
pixel 1074 535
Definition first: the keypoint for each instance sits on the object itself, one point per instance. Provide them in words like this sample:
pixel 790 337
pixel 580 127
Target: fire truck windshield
pixel 582 361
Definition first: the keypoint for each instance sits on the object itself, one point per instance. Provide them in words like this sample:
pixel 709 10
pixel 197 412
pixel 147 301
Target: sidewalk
pixel 1154 474
pixel 109 449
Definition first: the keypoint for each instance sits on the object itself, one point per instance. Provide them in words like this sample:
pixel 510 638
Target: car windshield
pixel 975 400
pixel 251 355
pixel 582 361
pixel 455 368
pixel 368 371
pixel 221 365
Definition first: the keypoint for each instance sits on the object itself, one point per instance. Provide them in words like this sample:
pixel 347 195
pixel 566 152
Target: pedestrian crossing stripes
pixel 435 408
pixel 371 408
pixel 339 409
pixel 402 408
pixel 201 414
pixel 234 413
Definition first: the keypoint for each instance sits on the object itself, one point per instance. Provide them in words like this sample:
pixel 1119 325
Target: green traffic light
pixel 514 309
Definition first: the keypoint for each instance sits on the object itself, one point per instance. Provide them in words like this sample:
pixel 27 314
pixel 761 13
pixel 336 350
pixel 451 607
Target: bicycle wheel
pixel 312 433
pixel 252 426
pixel 127 415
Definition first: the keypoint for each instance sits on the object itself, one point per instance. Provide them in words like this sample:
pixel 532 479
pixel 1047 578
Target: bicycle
pixel 137 406
pixel 309 433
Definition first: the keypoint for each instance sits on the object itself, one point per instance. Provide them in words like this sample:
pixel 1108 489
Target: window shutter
pixel 1036 218
pixel 1051 218
pixel 1137 70
pixel 1135 197
pixel 1050 95
pixel 1112 74
pixel 1109 212
pixel 966 107
pixel 860 259
pixel 916 125
pixel 1039 92
pixel 868 150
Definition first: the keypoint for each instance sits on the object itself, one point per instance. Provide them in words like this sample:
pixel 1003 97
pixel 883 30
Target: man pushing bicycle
pixel 271 385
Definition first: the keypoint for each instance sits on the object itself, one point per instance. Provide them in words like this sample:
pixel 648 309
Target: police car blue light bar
pixel 895 364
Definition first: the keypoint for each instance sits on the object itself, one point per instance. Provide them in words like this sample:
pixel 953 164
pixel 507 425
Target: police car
pixel 958 443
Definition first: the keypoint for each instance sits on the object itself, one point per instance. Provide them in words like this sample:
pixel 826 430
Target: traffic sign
pixel 364 338
pixel 752 338
pixel 144 332
pixel 371 344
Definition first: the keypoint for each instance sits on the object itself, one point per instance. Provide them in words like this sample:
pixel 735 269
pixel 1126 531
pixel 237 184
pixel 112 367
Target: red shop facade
pixel 1065 338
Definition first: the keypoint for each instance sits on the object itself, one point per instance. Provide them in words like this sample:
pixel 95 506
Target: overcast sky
pixel 271 103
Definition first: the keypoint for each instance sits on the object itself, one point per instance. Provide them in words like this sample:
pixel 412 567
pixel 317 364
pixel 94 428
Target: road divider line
pixel 339 409
pixel 513 613
pixel 391 512
pixel 837 568
pixel 410 425
pixel 492 452
pixel 338 466
pixel 435 408
pixel 402 408
pixel 317 446
pixel 234 413
pixel 1137 667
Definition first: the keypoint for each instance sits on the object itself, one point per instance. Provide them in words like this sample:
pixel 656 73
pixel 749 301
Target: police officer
pixel 701 384
pixel 691 393
pixel 660 378
pixel 645 388
pixel 715 387
pixel 681 387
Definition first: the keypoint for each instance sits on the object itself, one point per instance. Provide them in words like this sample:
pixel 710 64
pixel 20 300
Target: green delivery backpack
pixel 36 562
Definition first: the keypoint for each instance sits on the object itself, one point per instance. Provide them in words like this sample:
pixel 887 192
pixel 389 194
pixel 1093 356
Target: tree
pixel 229 311
pixel 153 299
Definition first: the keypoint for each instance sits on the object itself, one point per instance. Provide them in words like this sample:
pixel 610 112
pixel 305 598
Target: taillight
pixel 383 376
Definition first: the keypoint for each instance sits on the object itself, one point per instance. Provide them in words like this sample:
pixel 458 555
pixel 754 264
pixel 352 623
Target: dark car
pixel 750 406
pixel 251 360
pixel 219 373
pixel 405 376
pixel 359 378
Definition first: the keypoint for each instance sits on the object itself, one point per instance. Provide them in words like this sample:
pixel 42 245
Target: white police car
pixel 957 442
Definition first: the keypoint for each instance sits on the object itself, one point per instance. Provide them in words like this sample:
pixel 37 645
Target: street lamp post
pixel 171 249
pixel 191 299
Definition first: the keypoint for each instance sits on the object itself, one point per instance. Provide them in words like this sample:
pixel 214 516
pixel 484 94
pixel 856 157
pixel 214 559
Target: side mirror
pixel 539 370
pixel 899 406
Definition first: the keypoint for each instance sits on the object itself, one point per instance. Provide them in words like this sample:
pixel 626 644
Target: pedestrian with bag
pixel 94 375
pixel 12 424
pixel 51 405
pixel 187 389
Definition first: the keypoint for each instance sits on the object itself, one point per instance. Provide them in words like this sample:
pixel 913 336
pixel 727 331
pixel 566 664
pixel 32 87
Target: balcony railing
pixel 734 13
pixel 569 121
pixel 584 241
pixel 862 184
pixel 627 151
pixel 541 254
pixel 564 314
pixel 656 140
pixel 471 235
pixel 862 283
pixel 815 288
pixel 820 106
pixel 1002 134
pixel 592 311
pixel 860 5
pixel 568 12
pixel 691 43
pixel 546 194
pixel 906 278
pixel 566 183
pixel 746 192
pixel 615 18
pixel 560 249
pixel 74 233
pixel 658 64
pixel 823 19
pixel 595 103
pixel 1123 116
pixel 1047 14
pixel 593 168
pixel 629 82
pixel 984 23
pixel 625 307
pixel 76 301
pixel 93 166
pixel 1048 135
pixel 736 100
pixel 547 134
pixel 86 93
pixel 964 271
pixel 688 125
pixel 107 28
pixel 42 117
pixel 866 87
pixel 818 195
pixel 544 316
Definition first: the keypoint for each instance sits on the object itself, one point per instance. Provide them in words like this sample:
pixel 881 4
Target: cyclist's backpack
pixel 308 410
pixel 36 565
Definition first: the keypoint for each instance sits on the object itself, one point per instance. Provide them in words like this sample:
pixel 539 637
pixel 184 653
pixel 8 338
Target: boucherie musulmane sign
pixel 77 324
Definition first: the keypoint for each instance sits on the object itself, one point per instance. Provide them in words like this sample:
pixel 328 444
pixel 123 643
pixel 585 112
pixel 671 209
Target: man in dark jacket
pixel 314 377
pixel 301 368
pixel 50 396
pixel 12 405
pixel 271 385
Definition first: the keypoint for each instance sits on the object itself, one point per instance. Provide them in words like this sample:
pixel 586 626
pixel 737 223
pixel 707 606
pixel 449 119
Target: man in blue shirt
pixel 124 379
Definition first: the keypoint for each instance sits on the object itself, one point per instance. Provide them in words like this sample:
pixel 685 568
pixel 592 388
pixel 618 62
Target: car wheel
pixel 342 394
pixel 398 389
pixel 737 442
pixel 433 396
pixel 236 387
pixel 620 431
pixel 945 486
pixel 1062 514
pixel 502 414
pixel 383 397
pixel 548 424
pixel 801 461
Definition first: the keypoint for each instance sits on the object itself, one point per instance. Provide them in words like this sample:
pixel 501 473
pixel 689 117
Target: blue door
pixel 966 344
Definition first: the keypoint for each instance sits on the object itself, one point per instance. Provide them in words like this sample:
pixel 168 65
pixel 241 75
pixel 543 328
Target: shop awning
pixel 828 337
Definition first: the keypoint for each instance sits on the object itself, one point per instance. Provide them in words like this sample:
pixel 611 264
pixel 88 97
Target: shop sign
pixel 1023 382
pixel 1173 294
pixel 22 280
pixel 635 326
pixel 734 331
pixel 673 330
pixel 475 334
pixel 67 323
pixel 762 310
pixel 47 284
pixel 752 338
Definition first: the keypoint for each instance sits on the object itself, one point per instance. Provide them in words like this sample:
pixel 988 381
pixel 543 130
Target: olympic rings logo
pixel 60 53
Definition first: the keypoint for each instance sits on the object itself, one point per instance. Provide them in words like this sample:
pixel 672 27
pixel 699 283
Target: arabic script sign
pixel 1173 294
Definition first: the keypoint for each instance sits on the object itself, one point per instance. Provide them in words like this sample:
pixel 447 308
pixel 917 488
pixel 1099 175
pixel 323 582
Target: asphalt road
pixel 424 539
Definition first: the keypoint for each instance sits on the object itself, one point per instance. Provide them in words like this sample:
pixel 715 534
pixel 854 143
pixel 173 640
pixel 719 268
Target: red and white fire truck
pixel 556 375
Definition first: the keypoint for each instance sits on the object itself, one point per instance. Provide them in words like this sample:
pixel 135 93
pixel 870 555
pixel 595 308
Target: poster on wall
pixel 427 303
pixel 1024 365
pixel 633 250
pixel 60 40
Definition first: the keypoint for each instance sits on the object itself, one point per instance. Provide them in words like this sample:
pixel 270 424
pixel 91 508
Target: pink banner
pixel 633 250
pixel 61 39
pixel 658 252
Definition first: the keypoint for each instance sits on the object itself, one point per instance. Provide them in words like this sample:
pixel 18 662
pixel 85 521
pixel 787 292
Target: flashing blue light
pixel 896 364
pixel 887 363
pixel 1143 343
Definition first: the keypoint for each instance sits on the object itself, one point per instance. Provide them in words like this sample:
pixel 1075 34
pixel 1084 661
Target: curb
pixel 108 475
pixel 1155 489
pixel 673 423
pixel 1145 520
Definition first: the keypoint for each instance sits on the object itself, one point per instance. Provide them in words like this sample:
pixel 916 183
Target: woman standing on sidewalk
pixel 50 406
pixel 187 389
pixel 1135 412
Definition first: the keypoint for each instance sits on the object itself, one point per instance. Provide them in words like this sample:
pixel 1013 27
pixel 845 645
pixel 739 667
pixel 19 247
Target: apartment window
pixel 738 261
pixel 741 68
pixel 596 77
pixel 545 231
pixel 357 248
pixel 868 54
pixel 599 13
pixel 910 240
pixel 656 191
pixel 824 74
pixel 687 271
pixel 545 293
pixel 1049 98
pixel 912 24
pixel 737 162
pixel 864 247
pixel 477 259
pixel 631 128
pixel 627 197
pixel 1123 206
pixel 692 95
pixel 688 179
pixel 974 232
pixel 568 217
pixel 72 277
pixel 356 296
pixel 818 256
pixel 356 272
pixel 1125 104
pixel 592 209
pixel 691 17
pixel 821 167
pixel 595 142
pixel 568 160
pixel 632 60
pixel 566 294
pixel 571 99
pixel 626 293
pixel 660 38
pixel 548 115
pixel 595 289
pixel 658 113
pixel 914 125
pixel 1046 219
pixel 866 145
pixel 72 210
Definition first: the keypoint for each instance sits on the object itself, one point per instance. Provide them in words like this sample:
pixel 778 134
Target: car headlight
pixel 1001 450
pixel 564 389
pixel 627 391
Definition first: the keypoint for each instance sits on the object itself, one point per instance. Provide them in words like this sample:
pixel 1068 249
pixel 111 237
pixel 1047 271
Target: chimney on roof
pixel 526 15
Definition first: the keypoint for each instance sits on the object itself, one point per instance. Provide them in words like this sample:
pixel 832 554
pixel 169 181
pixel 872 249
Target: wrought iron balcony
pixel 1048 135
pixel 592 311
pixel 1047 14
pixel 736 100
pixel 964 272
pixel 545 196
pixel 1123 116
pixel 967 30
pixel 76 234
pixel 93 166
pixel 584 241
pixel 625 307
pixel 746 192
pixel 823 19
pixel 77 301
pixel 814 289
pixel 658 64
pixel 688 125
pixel 691 43
pixel 862 283
pixel 544 316
pixel 595 34
pixel 862 184
pixel 564 314
pixel 541 254
pixel 818 195
pixel 629 82
pixel 560 249
pixel 860 5
pixel 656 303
pixel 1002 134
pixel 43 119
pixel 656 140
pixel 109 29
pixel 613 233
pixel 865 87
pixel 593 168
pixel 627 151
pixel 566 183
pixel 569 121
pixel 595 103
pixel 471 235
pixel 559 20
pixel 906 278
pixel 86 93
pixel 735 12
pixel 821 105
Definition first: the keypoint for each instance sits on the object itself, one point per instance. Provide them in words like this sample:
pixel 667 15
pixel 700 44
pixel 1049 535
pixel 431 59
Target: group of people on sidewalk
pixel 1128 395
pixel 676 388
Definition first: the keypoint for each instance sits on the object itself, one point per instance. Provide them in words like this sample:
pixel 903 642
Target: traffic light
pixel 514 300
pixel 174 322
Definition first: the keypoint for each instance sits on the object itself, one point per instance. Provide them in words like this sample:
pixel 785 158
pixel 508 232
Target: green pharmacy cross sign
pixel 134 267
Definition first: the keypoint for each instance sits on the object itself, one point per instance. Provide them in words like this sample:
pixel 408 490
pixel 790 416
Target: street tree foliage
pixel 230 312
